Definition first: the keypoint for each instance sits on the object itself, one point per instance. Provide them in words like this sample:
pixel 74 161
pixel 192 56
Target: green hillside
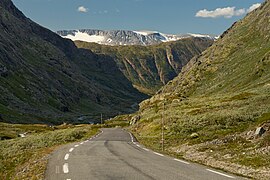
pixel 151 67
pixel 214 106
pixel 47 79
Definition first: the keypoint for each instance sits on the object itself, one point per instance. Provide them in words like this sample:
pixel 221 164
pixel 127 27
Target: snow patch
pixel 143 37
pixel 145 33
pixel 204 36
pixel 109 40
pixel 198 35
pixel 80 36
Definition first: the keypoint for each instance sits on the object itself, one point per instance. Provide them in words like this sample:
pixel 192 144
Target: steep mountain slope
pixel 45 78
pixel 151 67
pixel 123 37
pixel 212 109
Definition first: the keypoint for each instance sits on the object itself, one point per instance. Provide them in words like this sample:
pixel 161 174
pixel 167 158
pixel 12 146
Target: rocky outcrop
pixel 193 153
pixel 134 119
pixel 151 67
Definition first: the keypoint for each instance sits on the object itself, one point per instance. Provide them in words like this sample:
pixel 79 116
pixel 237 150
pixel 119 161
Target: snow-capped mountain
pixel 123 37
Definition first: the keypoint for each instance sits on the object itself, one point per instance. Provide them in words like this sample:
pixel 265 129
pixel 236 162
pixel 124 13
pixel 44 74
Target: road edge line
pixel 179 160
pixel 222 174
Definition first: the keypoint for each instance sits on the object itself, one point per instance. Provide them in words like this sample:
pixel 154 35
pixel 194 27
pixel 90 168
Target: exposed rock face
pixel 151 67
pixel 122 37
pixel 259 131
pixel 45 78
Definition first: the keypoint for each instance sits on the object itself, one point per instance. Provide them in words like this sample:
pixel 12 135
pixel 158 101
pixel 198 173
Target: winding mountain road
pixel 114 155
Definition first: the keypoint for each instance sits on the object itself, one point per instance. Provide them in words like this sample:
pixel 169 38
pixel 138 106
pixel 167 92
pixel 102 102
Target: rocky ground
pixel 215 154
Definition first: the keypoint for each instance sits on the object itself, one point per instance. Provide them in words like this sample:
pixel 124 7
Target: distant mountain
pixel 151 67
pixel 47 79
pixel 122 37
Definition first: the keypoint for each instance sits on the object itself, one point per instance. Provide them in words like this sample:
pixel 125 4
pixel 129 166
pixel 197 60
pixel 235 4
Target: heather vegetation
pixel 213 108
pixel 26 157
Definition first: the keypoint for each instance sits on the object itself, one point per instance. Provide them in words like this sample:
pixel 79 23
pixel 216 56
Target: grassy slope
pixel 47 79
pixel 26 158
pixel 221 96
pixel 151 67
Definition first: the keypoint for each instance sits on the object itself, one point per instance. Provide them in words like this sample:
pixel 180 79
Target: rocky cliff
pixel 151 67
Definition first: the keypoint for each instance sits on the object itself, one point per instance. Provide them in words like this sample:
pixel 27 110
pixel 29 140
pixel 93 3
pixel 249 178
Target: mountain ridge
pixel 151 67
pixel 125 37
pixel 47 79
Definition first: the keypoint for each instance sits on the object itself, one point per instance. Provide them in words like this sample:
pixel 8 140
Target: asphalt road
pixel 114 155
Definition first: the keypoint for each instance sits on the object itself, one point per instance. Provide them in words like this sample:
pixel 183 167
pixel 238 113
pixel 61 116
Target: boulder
pixel 23 135
pixel 134 119
pixel 176 101
pixel 260 131
pixel 194 135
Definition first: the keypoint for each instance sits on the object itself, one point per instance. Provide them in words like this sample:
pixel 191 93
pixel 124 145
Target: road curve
pixel 114 155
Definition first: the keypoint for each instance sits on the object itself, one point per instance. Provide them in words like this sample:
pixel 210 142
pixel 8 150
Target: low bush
pixel 25 158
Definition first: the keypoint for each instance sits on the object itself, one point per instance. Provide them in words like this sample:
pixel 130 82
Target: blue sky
pixel 167 16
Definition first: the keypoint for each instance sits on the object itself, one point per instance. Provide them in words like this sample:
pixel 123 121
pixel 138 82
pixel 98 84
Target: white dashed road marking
pixel 81 143
pixel 158 154
pixel 71 149
pixel 65 168
pixel 76 145
pixel 57 169
pixel 220 173
pixel 146 149
pixel 66 156
pixel 181 161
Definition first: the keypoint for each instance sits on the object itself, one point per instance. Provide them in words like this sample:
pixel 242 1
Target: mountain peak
pixel 124 37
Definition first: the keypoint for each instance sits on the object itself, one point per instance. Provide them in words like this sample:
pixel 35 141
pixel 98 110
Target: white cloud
pixel 253 7
pixel 239 12
pixel 226 12
pixel 82 9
